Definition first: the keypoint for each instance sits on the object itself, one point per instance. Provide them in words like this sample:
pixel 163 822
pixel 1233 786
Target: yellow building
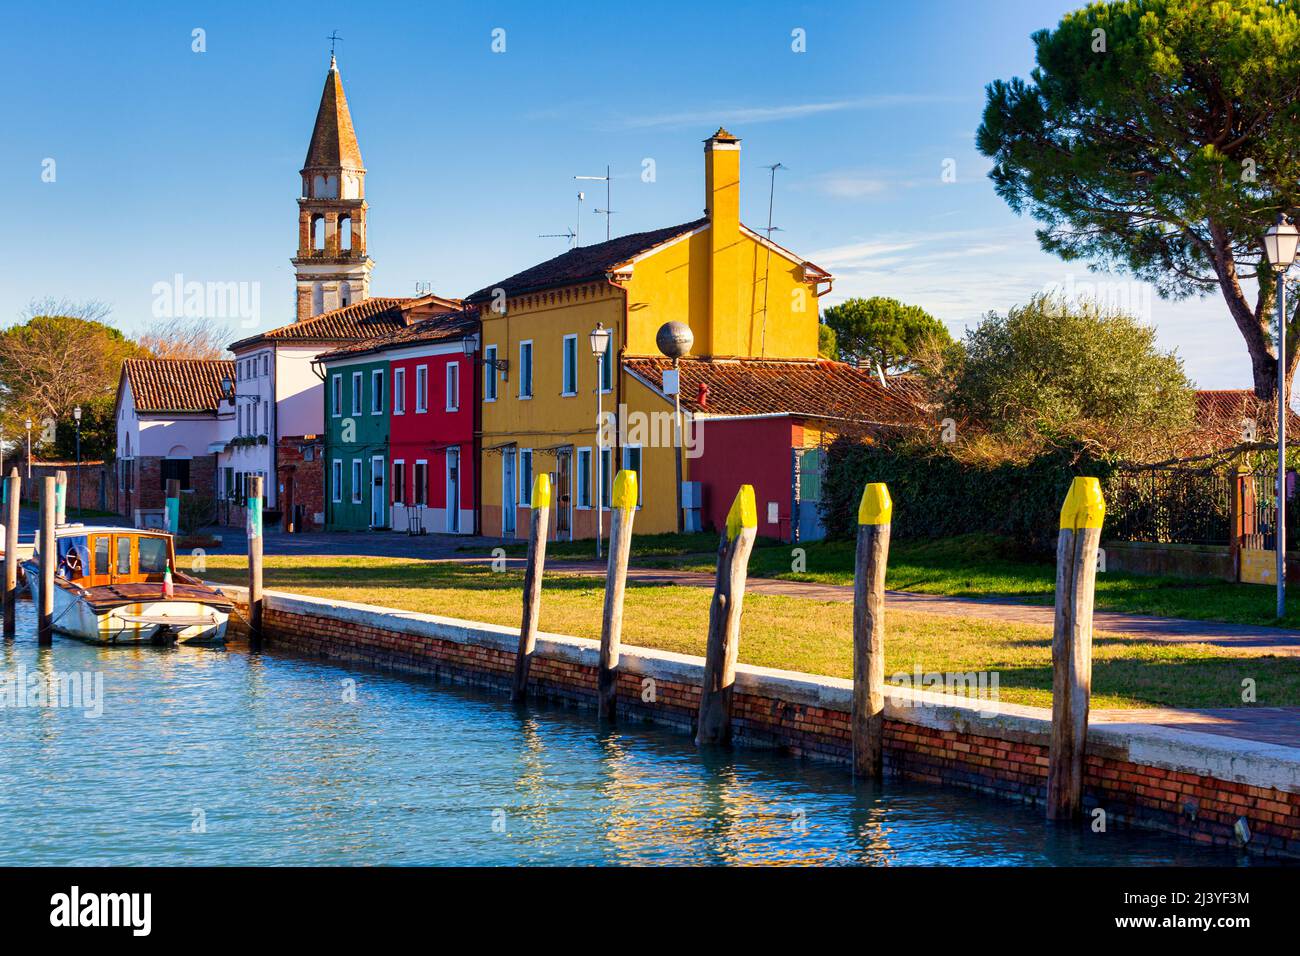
pixel 750 304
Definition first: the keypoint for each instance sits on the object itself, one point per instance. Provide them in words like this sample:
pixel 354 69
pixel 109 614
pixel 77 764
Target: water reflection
pixel 287 768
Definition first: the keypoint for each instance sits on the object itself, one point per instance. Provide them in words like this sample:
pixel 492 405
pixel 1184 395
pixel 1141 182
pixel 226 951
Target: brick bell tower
pixel 332 267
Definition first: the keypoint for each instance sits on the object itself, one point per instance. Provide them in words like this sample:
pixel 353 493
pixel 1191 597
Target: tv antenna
pixel 767 273
pixel 568 234
pixel 608 211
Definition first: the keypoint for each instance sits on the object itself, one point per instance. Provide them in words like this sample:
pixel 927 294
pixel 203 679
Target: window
pixel 178 468
pixel 356 393
pixel 632 462
pixel 584 477
pixel 241 420
pixel 525 470
pixel 399 482
pixel 607 370
pixel 453 386
pixel 420 486
pixel 101 555
pixel 570 386
pixel 421 388
pixel 377 392
pixel 399 391
pixel 123 555
pixel 266 364
pixel 336 395
pixel 356 480
pixel 489 373
pixel 152 556
pixel 525 369
pixel 606 476
pixel 336 480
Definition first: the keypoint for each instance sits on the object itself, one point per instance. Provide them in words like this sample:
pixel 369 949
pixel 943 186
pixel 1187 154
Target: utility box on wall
pixel 692 506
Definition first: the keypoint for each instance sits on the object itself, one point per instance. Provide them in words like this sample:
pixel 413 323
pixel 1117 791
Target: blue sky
pixel 170 161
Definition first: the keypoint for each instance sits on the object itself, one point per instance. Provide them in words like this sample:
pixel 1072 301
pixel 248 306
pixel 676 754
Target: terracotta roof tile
pixel 435 328
pixel 1221 415
pixel 361 320
pixel 333 140
pixel 585 263
pixel 814 389
pixel 176 385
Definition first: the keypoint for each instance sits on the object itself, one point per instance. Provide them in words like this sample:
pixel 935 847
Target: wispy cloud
pixel 769 114
pixel 850 185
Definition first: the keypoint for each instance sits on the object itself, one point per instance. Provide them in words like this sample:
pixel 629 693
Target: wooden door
pixel 122 559
pixel 563 497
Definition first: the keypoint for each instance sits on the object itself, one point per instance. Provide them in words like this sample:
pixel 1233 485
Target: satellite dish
pixel 674 339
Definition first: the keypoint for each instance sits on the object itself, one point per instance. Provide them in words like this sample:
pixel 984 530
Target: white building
pixel 171 423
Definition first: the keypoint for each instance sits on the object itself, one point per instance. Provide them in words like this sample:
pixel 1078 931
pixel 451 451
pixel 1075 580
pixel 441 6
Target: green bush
pixel 936 495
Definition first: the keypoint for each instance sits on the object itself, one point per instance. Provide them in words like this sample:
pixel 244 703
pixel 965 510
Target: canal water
pixel 216 757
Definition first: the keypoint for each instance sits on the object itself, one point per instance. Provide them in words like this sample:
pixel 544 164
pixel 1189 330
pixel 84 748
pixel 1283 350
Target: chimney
pixel 722 205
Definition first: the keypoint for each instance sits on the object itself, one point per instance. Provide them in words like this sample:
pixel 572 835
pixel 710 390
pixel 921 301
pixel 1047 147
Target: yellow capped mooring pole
pixel 540 503
pixel 723 646
pixel 1082 515
pixel 867 719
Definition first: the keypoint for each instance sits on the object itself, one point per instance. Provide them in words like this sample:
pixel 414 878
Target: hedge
pixel 937 496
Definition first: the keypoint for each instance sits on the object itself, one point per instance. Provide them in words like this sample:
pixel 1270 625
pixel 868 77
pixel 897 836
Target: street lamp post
pixel 675 340
pixel 28 425
pixel 76 417
pixel 1280 242
pixel 599 348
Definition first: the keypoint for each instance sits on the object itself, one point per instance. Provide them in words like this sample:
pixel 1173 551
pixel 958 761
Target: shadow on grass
pixel 1185 683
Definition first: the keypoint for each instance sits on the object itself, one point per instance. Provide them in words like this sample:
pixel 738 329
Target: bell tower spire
pixel 332 267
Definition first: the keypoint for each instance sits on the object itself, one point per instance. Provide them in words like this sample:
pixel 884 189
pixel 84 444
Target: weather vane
pixel 333 38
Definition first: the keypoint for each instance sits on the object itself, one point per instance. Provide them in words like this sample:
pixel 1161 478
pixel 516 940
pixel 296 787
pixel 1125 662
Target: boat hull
pixel 141 622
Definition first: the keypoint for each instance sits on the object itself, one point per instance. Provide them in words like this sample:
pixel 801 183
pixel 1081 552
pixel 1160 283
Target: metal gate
pixel 1255 505
pixel 807 466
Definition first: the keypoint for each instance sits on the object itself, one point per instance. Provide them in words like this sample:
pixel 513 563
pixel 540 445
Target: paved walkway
pixel 1270 725
pixel 1274 640
pixel 441 547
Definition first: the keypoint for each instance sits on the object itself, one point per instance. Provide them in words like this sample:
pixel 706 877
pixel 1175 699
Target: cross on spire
pixel 333 38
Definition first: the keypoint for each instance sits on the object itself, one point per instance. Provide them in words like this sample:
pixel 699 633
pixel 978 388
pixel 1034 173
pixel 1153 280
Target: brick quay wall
pixel 1189 783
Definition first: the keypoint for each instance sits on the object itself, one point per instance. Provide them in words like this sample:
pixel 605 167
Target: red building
pixel 432 405
pixel 766 423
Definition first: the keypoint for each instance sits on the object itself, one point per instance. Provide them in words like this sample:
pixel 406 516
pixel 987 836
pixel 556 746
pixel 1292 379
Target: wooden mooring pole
pixel 1076 577
pixel 867 720
pixel 60 498
pixel 611 623
pixel 723 647
pixel 253 524
pixel 540 503
pixel 48 558
pixel 13 492
pixel 172 506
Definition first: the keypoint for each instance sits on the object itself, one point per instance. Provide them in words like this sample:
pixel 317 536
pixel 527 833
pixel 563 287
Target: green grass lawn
pixel 72 511
pixel 977 566
pixel 792 633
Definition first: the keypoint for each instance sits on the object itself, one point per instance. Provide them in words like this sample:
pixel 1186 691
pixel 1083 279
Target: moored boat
pixel 120 586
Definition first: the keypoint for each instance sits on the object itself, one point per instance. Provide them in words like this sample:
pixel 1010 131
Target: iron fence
pixel 1169 506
